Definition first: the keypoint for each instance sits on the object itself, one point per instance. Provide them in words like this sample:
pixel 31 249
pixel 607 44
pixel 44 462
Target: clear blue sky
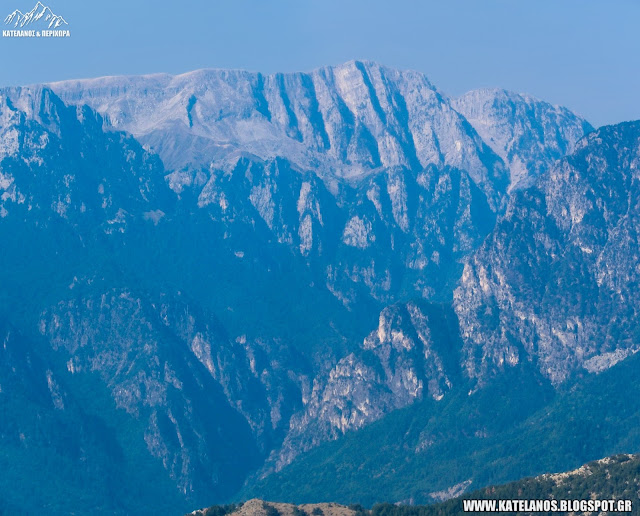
pixel 583 54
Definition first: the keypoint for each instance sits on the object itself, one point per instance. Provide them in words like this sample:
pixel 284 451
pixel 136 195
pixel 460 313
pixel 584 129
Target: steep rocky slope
pixel 388 162
pixel 516 426
pixel 410 356
pixel 546 314
pixel 342 121
pixel 554 284
pixel 528 134
pixel 272 288
pixel 85 218
pixel 67 430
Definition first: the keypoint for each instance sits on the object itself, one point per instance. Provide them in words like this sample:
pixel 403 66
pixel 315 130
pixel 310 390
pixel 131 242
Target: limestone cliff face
pixel 268 281
pixel 554 283
pixel 528 134
pixel 409 356
pixel 373 169
pixel 344 121
pixel 154 377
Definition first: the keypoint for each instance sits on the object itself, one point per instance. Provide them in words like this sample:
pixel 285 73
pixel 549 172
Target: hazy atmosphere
pixel 580 54
pixel 319 258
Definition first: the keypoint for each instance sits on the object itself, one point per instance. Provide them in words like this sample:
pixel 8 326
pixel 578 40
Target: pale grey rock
pixel 554 283
pixel 345 121
pixel 400 362
pixel 530 135
pixel 358 233
pixel 451 492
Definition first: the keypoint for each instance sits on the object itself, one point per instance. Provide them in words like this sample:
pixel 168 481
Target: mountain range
pixel 223 279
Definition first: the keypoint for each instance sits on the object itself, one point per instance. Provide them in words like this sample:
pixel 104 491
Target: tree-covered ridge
pixel 611 478
pixel 256 507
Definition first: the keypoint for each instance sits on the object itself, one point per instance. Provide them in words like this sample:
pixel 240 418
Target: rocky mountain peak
pixel 553 284
pixel 527 133
pixel 344 121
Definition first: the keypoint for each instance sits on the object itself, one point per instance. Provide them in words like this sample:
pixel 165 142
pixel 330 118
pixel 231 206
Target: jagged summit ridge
pixel 344 121
pixel 357 114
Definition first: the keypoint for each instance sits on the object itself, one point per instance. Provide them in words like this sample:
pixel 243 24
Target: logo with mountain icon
pixel 40 21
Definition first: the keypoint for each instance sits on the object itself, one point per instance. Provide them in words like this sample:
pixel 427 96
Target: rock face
pixel 344 121
pixel 388 162
pixel 554 283
pixel 278 274
pixel 368 239
pixel 409 356
pixel 165 369
pixel 528 134
pixel 49 153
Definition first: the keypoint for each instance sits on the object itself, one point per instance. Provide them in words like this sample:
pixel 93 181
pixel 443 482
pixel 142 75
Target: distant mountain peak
pixel 529 134
pixel 345 122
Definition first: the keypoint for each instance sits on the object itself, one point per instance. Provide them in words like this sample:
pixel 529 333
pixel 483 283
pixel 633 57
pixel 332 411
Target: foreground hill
pixel 612 478
pixel 257 507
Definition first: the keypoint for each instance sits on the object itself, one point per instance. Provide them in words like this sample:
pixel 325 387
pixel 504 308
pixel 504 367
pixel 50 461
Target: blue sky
pixel 583 54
